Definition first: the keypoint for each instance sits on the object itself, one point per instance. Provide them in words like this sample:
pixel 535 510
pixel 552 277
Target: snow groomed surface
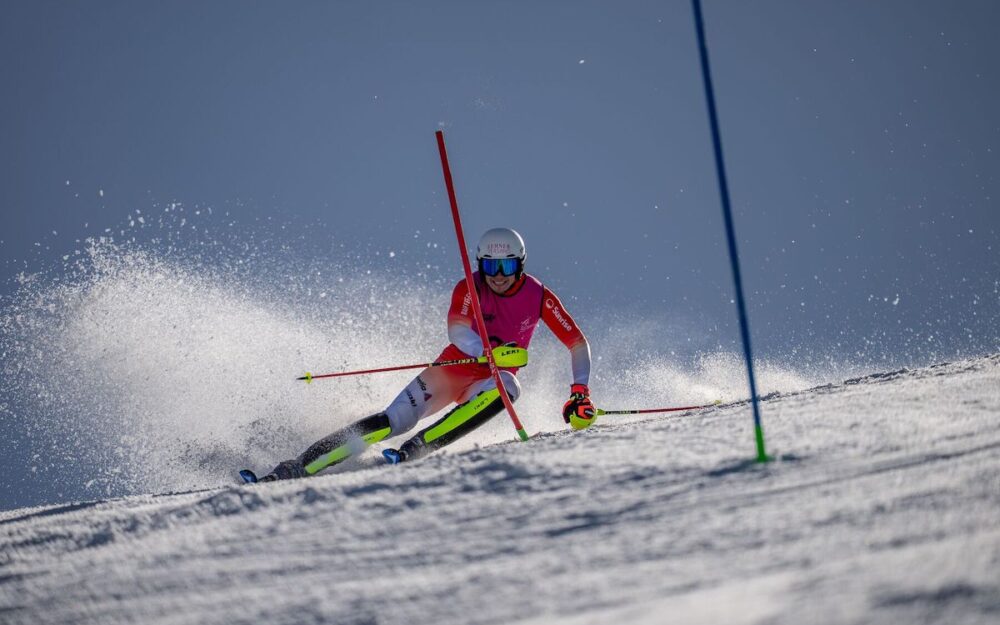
pixel 883 506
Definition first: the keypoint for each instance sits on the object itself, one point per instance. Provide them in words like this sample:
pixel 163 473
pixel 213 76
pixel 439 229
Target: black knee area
pixel 371 424
pixel 365 426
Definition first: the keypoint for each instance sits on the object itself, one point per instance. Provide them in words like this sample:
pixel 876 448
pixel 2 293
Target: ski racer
pixel 512 303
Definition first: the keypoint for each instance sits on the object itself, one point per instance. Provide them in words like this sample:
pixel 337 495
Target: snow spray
pixel 160 365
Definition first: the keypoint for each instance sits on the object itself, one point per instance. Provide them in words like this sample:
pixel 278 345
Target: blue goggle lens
pixel 493 266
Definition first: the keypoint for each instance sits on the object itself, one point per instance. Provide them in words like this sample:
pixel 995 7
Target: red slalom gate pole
pixel 470 284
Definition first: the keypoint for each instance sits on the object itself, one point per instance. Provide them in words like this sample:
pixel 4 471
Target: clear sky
pixel 861 141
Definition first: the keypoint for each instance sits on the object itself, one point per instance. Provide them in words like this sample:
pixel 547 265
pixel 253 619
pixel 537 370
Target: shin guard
pixel 454 425
pixel 344 443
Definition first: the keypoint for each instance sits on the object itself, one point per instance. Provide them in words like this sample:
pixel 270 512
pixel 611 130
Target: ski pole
pixel 505 356
pixel 600 412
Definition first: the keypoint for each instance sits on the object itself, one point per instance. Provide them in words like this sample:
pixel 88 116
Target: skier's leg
pixel 426 394
pixel 334 448
pixel 340 445
pixel 464 418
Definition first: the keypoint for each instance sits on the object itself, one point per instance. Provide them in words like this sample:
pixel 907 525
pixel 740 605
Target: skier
pixel 512 303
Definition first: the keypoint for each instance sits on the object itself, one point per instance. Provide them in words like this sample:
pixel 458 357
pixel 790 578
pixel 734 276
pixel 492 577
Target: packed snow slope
pixel 882 506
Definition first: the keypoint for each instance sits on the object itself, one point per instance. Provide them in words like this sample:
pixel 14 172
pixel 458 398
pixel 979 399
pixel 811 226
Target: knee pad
pixel 402 416
pixel 511 384
pixel 408 407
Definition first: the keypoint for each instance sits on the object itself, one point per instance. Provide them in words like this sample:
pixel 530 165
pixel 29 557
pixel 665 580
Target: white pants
pixel 420 398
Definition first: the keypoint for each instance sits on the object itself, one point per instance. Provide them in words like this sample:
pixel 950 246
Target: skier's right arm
pixel 461 322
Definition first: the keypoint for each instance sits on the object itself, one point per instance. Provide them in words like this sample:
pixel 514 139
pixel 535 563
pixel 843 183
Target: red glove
pixel 579 410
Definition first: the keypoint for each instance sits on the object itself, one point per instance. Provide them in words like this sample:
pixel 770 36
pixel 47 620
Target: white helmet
pixel 500 243
pixel 501 250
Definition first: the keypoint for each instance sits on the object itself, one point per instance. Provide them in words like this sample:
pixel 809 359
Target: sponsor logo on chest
pixel 526 325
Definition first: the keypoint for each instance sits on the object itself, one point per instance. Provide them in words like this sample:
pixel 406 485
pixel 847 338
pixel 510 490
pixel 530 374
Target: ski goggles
pixel 506 266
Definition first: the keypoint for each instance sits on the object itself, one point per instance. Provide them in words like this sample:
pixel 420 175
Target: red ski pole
pixel 308 377
pixel 505 356
pixel 600 412
pixel 472 288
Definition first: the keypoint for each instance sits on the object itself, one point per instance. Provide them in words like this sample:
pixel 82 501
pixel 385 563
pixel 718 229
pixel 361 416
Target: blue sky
pixel 861 142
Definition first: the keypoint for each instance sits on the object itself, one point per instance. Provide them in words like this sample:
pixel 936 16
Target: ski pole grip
pixel 505 356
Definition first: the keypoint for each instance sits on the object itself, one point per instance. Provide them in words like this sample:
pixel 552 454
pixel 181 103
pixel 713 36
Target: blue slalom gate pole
pixel 730 231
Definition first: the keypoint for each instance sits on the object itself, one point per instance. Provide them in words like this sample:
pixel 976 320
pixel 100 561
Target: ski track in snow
pixel 882 507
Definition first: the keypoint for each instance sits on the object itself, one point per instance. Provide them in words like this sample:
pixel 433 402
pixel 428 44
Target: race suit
pixel 510 317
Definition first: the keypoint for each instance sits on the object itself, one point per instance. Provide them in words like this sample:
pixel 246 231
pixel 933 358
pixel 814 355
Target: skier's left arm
pixel 578 411
pixel 564 327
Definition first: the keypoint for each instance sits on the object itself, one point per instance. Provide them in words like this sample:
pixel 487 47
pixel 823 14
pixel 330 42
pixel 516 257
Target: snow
pixel 882 506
